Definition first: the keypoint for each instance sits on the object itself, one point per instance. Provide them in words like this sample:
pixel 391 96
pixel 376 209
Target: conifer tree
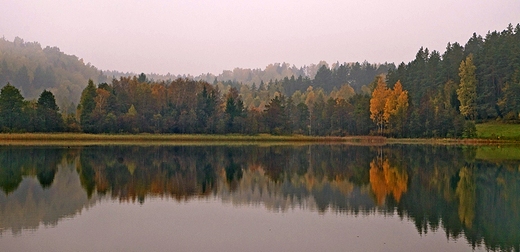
pixel 11 108
pixel 87 106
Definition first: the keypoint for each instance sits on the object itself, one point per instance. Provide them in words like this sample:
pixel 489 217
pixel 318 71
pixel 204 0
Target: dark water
pixel 259 198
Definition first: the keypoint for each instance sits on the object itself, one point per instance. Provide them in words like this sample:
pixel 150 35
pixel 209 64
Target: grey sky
pixel 194 37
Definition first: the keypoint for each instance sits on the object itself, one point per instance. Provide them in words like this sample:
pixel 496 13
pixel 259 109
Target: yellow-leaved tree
pixel 467 91
pixel 388 107
pixel 396 108
pixel 378 103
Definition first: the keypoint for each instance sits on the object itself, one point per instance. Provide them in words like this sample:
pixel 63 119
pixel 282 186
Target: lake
pixel 259 197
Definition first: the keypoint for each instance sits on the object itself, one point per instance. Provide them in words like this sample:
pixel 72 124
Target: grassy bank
pixel 498 131
pixel 169 139
pixel 88 139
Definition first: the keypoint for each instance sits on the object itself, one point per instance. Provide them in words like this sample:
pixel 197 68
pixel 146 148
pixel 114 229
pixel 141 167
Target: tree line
pixel 477 82
pixel 432 96
pixel 188 106
pixel 31 68
pixel 19 115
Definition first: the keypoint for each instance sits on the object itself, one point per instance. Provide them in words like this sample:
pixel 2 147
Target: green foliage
pixel 86 107
pixel 235 112
pixel 275 115
pixel 47 101
pixel 470 130
pixel 142 78
pixel 132 111
pixel 11 109
pixel 18 115
pixel 362 124
pixel 487 84
pixel 49 119
pixel 509 104
pixel 301 118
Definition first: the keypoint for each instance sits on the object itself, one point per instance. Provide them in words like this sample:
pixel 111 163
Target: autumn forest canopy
pixel 434 95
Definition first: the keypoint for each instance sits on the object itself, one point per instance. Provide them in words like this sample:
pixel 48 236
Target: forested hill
pixel 328 76
pixel 355 74
pixel 32 69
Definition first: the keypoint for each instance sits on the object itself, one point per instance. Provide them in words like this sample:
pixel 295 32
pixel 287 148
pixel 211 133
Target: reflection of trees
pixel 466 189
pixel 10 173
pixel 37 202
pixel 430 200
pixel 233 173
pixel 132 173
pixel 449 189
pixel 17 162
pixel 434 186
pixel 386 180
pixel 496 205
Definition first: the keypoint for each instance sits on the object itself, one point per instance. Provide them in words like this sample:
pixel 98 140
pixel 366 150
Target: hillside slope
pixel 32 69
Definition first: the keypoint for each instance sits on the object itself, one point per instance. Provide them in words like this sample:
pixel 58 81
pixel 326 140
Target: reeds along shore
pixel 162 137
pixel 93 139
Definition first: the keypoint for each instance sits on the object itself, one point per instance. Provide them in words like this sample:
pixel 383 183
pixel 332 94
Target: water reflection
pixel 453 188
pixel 38 187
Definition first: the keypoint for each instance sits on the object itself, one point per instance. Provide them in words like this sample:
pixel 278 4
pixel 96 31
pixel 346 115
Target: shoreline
pixel 169 139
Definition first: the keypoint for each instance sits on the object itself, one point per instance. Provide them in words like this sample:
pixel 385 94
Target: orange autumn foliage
pixel 388 105
pixel 378 103
pixel 386 180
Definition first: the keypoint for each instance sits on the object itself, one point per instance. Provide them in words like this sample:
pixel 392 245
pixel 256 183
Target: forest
pixel 31 68
pixel 434 95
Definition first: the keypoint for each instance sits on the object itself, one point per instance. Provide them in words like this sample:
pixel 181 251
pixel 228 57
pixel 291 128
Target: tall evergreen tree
pixel 11 108
pixel 323 79
pixel 275 115
pixel 510 102
pixel 49 117
pixel 87 106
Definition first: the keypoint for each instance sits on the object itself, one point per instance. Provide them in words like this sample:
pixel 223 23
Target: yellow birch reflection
pixel 466 191
pixel 386 180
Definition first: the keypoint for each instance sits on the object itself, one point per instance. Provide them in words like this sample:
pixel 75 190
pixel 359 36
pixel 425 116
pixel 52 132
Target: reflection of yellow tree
pixel 385 180
pixel 466 191
pixel 343 185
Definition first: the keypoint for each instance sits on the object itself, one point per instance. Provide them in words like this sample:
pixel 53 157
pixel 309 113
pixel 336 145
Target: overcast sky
pixel 194 36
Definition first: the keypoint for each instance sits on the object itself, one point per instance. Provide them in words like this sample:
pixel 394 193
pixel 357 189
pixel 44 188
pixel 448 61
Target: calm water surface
pixel 259 198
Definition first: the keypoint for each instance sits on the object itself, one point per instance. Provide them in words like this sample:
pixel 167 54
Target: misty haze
pixel 260 125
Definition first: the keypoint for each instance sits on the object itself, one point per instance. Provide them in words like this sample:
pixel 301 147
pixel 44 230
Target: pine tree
pixel 11 108
pixel 49 119
pixel 510 102
pixel 87 106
